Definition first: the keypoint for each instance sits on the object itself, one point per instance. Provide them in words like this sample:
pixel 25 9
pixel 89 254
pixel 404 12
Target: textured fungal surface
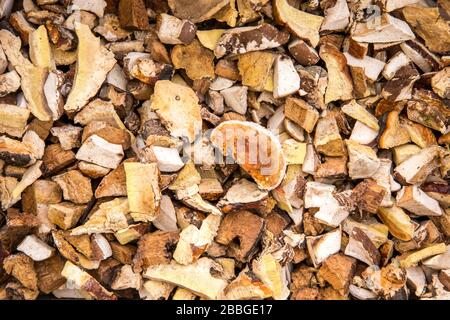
pixel 225 149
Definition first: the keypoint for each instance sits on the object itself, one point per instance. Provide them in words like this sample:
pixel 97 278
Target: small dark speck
pixel 177 98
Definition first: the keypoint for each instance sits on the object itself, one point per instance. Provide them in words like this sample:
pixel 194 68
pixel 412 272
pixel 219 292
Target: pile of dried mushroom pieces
pixel 225 149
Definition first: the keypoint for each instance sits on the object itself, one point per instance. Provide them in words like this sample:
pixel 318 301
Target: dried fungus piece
pixel 32 77
pixel 209 38
pixel 395 63
pixel 427 114
pixel 421 56
pixel 76 187
pixel 155 249
pixel 206 284
pixel 303 53
pixel 337 17
pixel 168 159
pixel 236 98
pixel 112 184
pixel 195 59
pixel 363 160
pixel 94 6
pixel 304 25
pixel 389 282
pixel 178 108
pixel 398 222
pixel 55 159
pixel 35 248
pixel 340 86
pixel 84 281
pixel 418 202
pixel 130 233
pixel 109 217
pixel 49 273
pixel 294 151
pixel 272 274
pixel 65 214
pixel 227 68
pixel 100 152
pixel 40 51
pixel 439 192
pixel 109 27
pixel 410 259
pixel 101 249
pixel 9 83
pixel 41 192
pixel 438 262
pixel 441 83
pixel 372 67
pixel 142 190
pixel 400 86
pixel 235 138
pixel 430 26
pixel 197 11
pixel 21 267
pixel 21 25
pixel 193 241
pixel 361 247
pixel 388 29
pixel 331 211
pixel 228 14
pixel 133 15
pixel 320 172
pixel 13 119
pixel 247 286
pixel 15 153
pixel 156 290
pixel 242 225
pixel 123 253
pixel 286 80
pixel 28 178
pixel 394 134
pixel 416 168
pixel 245 195
pixel 358 112
pixel 255 68
pixel 327 139
pixel 139 65
pixel 420 135
pixel 125 278
pixel 323 246
pixel 338 270
pixel 172 30
pixel 69 251
pixel 287 193
pixel 90 52
pixel 368 195
pixel 247 39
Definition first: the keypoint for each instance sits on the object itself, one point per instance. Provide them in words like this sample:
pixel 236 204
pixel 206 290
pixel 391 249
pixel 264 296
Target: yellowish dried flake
pixel 143 190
